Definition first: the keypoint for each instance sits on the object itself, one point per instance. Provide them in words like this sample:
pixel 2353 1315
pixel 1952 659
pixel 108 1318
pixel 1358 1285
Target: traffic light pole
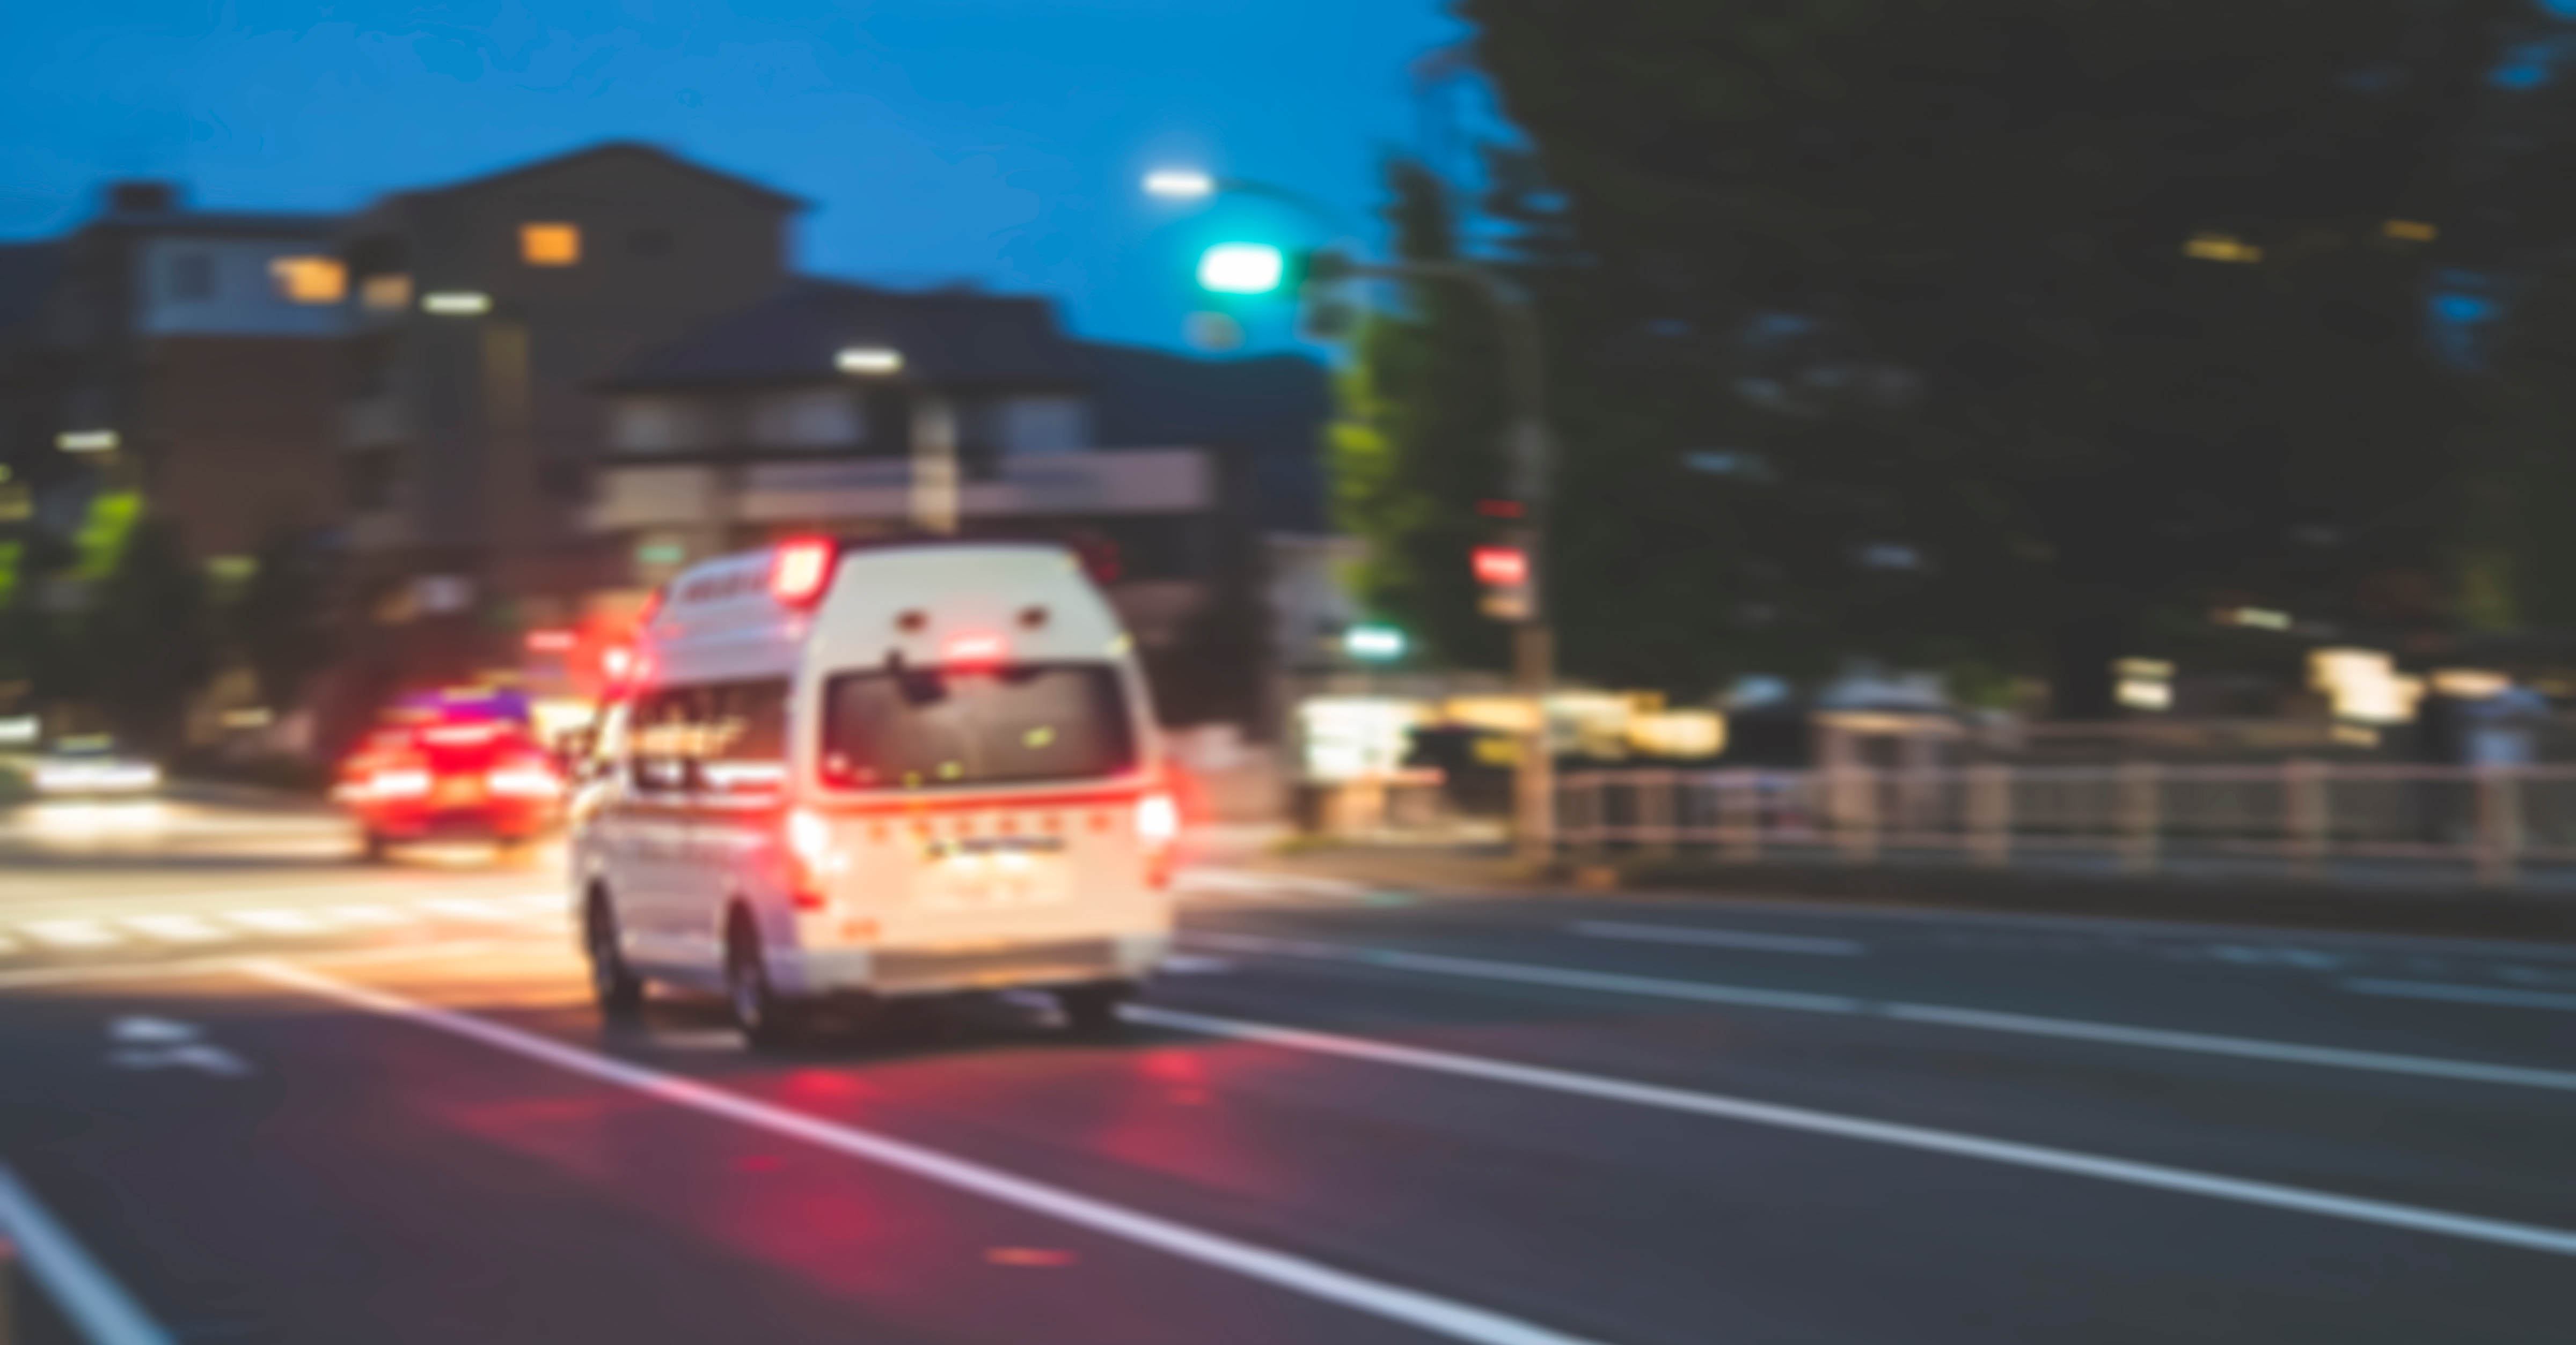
pixel 1530 453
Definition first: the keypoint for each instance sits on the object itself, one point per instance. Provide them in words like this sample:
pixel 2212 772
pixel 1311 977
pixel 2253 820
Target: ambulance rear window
pixel 936 728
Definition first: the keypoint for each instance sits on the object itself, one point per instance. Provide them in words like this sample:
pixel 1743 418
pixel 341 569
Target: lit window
pixel 309 280
pixel 385 293
pixel 550 244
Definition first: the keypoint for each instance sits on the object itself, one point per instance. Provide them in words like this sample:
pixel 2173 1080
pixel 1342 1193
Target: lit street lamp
pixel 1179 184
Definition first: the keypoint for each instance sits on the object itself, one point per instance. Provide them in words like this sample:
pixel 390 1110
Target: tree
pixel 280 622
pixel 1417 444
pixel 146 640
pixel 2037 327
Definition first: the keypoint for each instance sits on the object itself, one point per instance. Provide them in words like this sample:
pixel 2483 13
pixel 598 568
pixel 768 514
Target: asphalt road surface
pixel 255 1092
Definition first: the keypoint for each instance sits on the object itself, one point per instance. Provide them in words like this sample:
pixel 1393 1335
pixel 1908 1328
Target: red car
pixel 470 779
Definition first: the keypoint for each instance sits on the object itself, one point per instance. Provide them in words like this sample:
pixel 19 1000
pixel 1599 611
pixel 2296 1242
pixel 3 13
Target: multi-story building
pixel 801 413
pixel 480 314
pixel 188 354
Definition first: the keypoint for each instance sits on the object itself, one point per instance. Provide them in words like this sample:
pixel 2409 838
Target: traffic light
pixel 1243 268
pixel 1311 276
pixel 1505 573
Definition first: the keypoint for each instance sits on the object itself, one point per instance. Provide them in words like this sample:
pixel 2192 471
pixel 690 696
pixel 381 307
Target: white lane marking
pixel 1440 1316
pixel 182 967
pixel 175 928
pixel 71 933
pixel 143 1029
pixel 2463 994
pixel 279 920
pixel 1254 883
pixel 1719 938
pixel 1564 977
pixel 80 1288
pixel 2249 1048
pixel 200 1056
pixel 1193 964
pixel 2415 1218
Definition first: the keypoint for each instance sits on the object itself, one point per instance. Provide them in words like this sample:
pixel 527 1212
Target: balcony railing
pixel 637 491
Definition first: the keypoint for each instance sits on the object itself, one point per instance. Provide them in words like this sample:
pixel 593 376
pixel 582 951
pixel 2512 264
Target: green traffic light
pixel 1242 268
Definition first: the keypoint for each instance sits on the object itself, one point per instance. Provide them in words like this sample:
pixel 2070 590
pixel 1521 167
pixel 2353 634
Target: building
pixel 801 412
pixel 481 315
pixel 191 355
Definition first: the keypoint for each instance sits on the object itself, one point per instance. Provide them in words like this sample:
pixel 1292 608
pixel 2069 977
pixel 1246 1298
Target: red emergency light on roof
pixel 801 569
pixel 550 640
pixel 1501 565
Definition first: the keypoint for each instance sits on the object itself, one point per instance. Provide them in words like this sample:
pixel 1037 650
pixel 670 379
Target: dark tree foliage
pixel 1917 282
pixel 1418 444
pixel 280 623
pixel 146 642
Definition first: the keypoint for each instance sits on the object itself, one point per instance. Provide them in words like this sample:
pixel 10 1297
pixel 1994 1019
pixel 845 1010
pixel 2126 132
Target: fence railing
pixel 2500 825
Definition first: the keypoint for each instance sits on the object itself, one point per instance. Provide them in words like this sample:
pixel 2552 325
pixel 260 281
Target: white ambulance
pixel 877 770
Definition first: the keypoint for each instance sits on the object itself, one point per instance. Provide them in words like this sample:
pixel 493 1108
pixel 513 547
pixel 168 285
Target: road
pixel 258 1093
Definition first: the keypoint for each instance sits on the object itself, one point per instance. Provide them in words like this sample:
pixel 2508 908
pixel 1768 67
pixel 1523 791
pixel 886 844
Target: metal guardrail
pixel 2305 818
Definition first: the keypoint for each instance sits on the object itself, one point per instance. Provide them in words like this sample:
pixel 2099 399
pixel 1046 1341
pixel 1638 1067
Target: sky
pixel 998 141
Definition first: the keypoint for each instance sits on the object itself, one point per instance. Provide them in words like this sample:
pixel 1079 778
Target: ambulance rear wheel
pixel 764 1017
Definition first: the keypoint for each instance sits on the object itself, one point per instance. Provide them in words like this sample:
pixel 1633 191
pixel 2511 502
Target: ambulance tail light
pixel 801 569
pixel 809 853
pixel 1158 831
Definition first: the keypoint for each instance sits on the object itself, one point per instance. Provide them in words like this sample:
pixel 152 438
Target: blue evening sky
pixel 999 140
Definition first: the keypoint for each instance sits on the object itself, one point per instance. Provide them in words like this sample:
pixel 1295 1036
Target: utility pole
pixel 1529 455
pixel 934 463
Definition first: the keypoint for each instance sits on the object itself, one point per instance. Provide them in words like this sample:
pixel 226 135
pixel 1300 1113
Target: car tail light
pixel 809 852
pixel 525 782
pixel 459 735
pixel 801 569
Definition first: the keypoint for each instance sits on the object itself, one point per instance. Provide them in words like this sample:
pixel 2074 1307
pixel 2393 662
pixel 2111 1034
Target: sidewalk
pixel 2438 909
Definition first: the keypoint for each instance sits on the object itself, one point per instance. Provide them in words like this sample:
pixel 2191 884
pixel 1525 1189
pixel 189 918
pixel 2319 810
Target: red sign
pixel 1501 565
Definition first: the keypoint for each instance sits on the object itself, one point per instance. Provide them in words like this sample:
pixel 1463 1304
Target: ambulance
pixel 873 771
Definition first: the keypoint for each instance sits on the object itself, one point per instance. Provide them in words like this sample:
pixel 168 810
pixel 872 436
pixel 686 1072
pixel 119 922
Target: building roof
pixel 1270 408
pixel 614 149
pixel 27 272
pixel 794 336
pixel 237 222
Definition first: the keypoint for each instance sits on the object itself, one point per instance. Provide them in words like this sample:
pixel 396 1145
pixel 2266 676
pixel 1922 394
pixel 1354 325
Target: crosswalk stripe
pixel 461 908
pixel 176 928
pixel 275 920
pixel 71 933
pixel 365 915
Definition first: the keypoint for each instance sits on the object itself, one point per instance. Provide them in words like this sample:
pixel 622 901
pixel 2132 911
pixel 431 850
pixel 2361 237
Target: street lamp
pixel 869 360
pixel 456 303
pixel 1179 184
pixel 1528 449
pixel 934 439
